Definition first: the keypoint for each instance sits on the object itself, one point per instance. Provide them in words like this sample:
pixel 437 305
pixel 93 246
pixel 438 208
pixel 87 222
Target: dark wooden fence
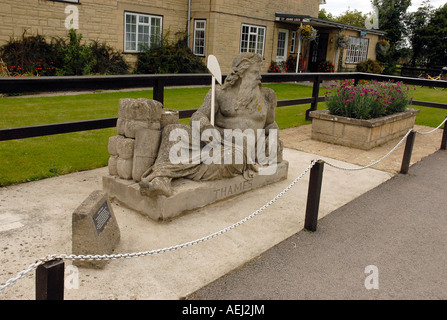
pixel 158 83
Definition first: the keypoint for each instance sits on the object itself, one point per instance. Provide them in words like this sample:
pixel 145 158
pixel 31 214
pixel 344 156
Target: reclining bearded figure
pixel 241 105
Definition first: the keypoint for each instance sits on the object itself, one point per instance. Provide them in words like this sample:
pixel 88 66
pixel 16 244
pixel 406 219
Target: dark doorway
pixel 318 51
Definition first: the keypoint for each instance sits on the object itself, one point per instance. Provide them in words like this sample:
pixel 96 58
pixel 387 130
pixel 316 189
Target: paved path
pixel 399 228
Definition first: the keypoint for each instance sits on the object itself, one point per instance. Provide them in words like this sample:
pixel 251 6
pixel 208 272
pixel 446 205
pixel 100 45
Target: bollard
pixel 50 280
pixel 313 196
pixel 444 137
pixel 407 153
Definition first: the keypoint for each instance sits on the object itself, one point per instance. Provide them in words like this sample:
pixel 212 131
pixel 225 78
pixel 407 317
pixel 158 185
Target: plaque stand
pixel 94 229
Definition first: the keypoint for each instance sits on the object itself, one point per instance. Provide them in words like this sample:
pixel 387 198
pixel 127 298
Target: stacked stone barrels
pixel 134 150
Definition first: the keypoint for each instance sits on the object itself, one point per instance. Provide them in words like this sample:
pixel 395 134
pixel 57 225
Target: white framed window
pixel 293 42
pixel 357 50
pixel 199 37
pixel 252 39
pixel 141 31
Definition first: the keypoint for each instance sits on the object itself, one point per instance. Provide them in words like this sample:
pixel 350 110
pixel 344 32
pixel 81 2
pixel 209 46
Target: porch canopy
pixel 316 22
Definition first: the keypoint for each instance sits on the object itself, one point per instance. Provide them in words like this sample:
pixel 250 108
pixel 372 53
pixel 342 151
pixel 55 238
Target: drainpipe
pixel 189 20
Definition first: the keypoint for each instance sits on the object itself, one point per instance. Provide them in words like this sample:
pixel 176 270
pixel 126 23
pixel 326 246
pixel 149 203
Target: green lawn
pixel 41 157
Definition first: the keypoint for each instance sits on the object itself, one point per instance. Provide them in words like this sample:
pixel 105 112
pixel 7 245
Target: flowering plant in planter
pixel 382 47
pixel 307 32
pixel 342 41
pixel 367 100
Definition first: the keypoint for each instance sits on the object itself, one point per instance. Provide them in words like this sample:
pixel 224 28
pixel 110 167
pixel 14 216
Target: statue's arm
pixel 203 114
pixel 270 97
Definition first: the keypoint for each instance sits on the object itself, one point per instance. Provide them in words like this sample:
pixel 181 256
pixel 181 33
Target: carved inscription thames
pixel 232 189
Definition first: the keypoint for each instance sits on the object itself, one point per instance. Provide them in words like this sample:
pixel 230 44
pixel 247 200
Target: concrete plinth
pixel 188 195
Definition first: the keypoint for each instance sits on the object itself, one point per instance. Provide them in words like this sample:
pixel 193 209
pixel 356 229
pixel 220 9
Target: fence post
pixel 407 153
pixel 315 95
pixel 313 196
pixel 159 91
pixel 50 280
pixel 444 137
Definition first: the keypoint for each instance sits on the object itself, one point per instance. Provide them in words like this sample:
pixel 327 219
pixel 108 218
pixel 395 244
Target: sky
pixel 336 7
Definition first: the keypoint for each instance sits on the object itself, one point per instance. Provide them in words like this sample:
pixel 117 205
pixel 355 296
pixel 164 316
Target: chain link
pixel 389 153
pixel 98 257
pixel 375 162
pixel 429 132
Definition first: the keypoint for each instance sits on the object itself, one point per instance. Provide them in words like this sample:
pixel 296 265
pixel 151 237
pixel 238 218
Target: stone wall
pixel 97 19
pixel 104 20
pixel 225 19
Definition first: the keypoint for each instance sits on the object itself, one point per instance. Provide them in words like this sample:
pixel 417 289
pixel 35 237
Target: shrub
pixel 108 60
pixel 34 56
pixel 370 66
pixel 29 55
pixel 326 66
pixel 368 100
pixel 169 58
pixel 290 64
pixel 274 67
pixel 287 66
pixel 77 58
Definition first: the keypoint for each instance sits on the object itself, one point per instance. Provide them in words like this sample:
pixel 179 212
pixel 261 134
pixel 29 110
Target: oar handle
pixel 213 98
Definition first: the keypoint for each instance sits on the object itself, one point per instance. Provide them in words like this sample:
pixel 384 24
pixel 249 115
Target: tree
pixel 417 23
pixel 392 15
pixel 323 14
pixel 435 35
pixel 351 17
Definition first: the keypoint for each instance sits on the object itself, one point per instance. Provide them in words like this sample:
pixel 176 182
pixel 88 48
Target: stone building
pixel 220 27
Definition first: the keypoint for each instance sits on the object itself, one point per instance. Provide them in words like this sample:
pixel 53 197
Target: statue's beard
pixel 248 94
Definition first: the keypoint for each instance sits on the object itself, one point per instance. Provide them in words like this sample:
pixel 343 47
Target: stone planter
pixel 361 134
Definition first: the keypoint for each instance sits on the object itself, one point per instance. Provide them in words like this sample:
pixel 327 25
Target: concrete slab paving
pixel 44 209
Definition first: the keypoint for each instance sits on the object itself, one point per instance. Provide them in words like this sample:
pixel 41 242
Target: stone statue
pixel 242 105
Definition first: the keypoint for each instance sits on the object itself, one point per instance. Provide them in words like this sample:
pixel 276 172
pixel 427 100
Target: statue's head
pixel 240 64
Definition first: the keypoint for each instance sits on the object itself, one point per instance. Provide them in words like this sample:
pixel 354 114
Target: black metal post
pixel 315 95
pixel 50 280
pixel 444 137
pixel 407 153
pixel 159 91
pixel 313 196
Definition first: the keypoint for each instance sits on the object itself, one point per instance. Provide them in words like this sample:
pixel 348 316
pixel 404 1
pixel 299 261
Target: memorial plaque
pixel 101 217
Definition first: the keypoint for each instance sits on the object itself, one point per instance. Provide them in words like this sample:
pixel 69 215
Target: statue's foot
pixel 158 186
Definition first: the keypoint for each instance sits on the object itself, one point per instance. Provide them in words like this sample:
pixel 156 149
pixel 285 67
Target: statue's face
pixel 253 74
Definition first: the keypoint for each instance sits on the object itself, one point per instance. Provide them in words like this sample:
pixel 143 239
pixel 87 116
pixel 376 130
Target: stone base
pixel 360 134
pixel 188 195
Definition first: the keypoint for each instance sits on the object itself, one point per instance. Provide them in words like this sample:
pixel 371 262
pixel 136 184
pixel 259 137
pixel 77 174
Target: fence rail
pixel 160 82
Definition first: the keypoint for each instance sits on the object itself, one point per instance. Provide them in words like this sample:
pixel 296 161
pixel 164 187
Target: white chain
pixel 97 257
pixel 424 133
pixel 389 153
pixel 375 162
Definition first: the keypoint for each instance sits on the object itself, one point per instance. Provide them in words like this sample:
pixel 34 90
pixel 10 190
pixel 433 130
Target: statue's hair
pixel 241 63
